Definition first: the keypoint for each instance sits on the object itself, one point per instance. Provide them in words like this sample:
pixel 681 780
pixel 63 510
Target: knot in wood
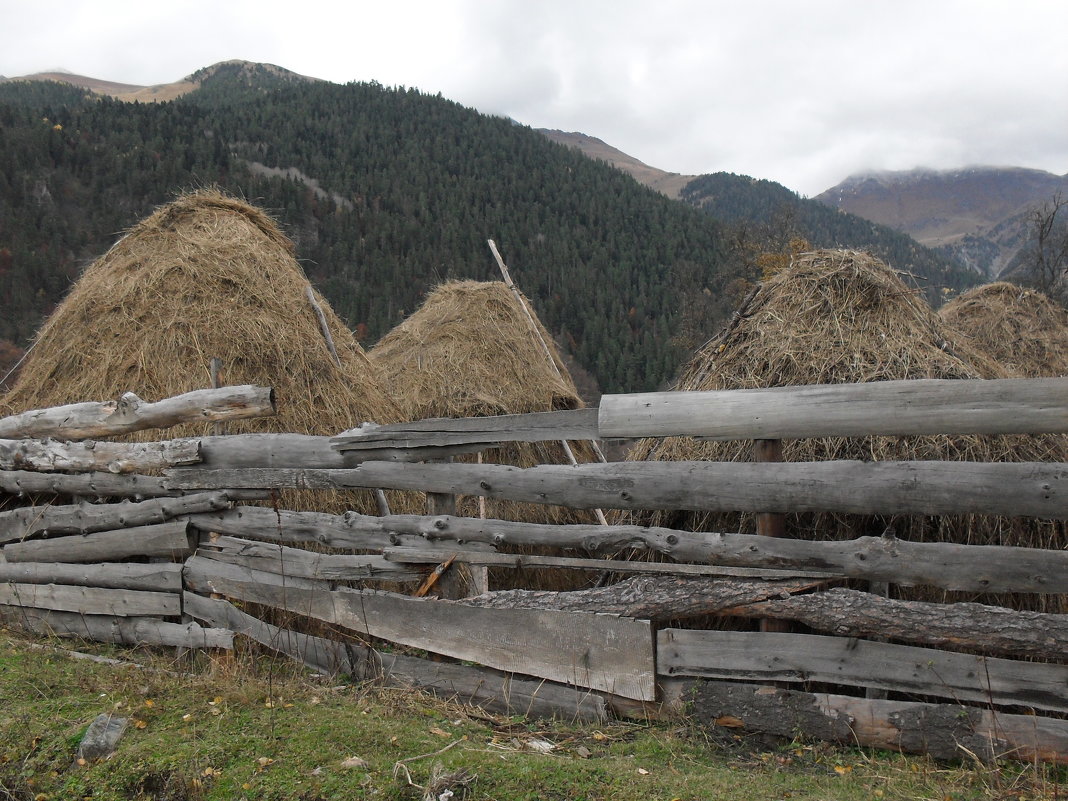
pixel 672 539
pixel 485 485
pixel 440 524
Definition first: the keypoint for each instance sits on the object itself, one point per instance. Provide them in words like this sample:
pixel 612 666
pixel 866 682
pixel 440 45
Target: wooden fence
pixel 153 543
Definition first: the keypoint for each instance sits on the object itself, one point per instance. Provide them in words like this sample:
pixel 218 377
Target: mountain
pixel 667 183
pixel 975 215
pixel 775 214
pixel 385 191
pixel 249 72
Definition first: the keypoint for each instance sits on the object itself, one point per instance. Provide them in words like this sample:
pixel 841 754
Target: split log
pixel 123 630
pixel 301 451
pixel 157 577
pixel 989 629
pixel 597 651
pixel 110 457
pixel 130 413
pixel 488 689
pixel 82 518
pixel 918 488
pixel 774 656
pixel 575 424
pixel 654 598
pixel 944 731
pixel 202 574
pixel 880 408
pixel 91 600
pixel 308 564
pixel 101 485
pixel 168 540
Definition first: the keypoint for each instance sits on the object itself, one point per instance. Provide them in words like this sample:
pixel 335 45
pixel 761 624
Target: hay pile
pixel 1022 329
pixel 839 317
pixel 205 276
pixel 470 351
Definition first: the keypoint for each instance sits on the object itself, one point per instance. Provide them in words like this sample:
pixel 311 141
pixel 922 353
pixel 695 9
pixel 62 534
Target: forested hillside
pixel 385 191
pixel 773 211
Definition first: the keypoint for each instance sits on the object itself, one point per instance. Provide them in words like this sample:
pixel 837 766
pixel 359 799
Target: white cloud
pixel 799 92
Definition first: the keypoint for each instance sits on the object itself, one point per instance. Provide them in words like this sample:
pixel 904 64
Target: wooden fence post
pixel 770 524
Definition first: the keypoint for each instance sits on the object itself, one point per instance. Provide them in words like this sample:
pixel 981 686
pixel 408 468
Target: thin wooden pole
pixel 322 323
pixel 548 355
pixel 770 525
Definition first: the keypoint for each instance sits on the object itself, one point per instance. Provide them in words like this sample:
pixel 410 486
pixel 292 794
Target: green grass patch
pixel 259 728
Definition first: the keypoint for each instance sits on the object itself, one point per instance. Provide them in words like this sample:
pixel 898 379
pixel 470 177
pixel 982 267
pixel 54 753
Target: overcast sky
pixel 803 92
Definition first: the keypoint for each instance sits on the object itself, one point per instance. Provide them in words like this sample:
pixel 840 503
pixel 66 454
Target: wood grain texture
pixel 890 408
pixel 100 485
pixel 861 663
pixel 168 540
pixel 91 600
pixel 123 630
pixel 1034 489
pixel 155 577
pixel 596 651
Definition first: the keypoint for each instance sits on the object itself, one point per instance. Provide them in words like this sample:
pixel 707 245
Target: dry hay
pixel 841 317
pixel 470 351
pixel 205 276
pixel 1022 329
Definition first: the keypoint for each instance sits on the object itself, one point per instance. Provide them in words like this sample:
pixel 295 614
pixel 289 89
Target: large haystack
pixel 1026 332
pixel 470 350
pixel 839 317
pixel 205 276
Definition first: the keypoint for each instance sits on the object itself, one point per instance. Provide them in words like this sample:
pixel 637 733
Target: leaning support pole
pixel 548 355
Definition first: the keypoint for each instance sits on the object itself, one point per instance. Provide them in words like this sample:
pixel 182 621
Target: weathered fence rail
pixel 78 567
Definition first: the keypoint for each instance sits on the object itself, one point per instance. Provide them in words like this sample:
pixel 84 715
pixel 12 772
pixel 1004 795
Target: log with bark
pixel 50 455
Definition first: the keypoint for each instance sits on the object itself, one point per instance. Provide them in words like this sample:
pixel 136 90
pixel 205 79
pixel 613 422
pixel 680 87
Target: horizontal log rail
pixel 100 485
pixel 768 656
pixel 89 455
pixel 890 408
pixel 1027 489
pixel 130 413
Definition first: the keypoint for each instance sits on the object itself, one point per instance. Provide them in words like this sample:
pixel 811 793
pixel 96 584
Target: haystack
pixel 205 276
pixel 840 317
pixel 1026 332
pixel 471 351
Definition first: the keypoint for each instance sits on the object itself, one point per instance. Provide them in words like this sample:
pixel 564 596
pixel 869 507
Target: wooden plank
pixel 123 630
pixel 326 656
pixel 157 577
pixel 201 572
pixel 972 568
pixel 574 424
pixel 130 413
pixel 91 600
pixel 922 488
pixel 168 540
pixel 990 629
pixel 308 564
pixel 82 518
pixel 945 731
pixel 101 485
pixel 600 652
pixel 420 556
pixel 88 456
pixel 883 408
pixel 861 663
pixel 488 689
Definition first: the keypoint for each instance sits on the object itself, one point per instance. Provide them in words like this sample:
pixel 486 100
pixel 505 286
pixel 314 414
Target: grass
pixel 255 728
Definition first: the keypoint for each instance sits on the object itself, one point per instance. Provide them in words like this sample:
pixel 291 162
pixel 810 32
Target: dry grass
pixel 205 276
pixel 839 317
pixel 1026 332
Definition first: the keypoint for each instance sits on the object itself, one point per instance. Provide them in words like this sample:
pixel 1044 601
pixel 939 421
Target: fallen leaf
pixel 440 732
pixel 265 761
pixel 541 746
pixel 81 761
pixel 354 762
pixel 149 703
pixel 842 770
pixel 583 751
pixel 730 721
pixel 139 724
pixel 643 772
pixel 599 736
